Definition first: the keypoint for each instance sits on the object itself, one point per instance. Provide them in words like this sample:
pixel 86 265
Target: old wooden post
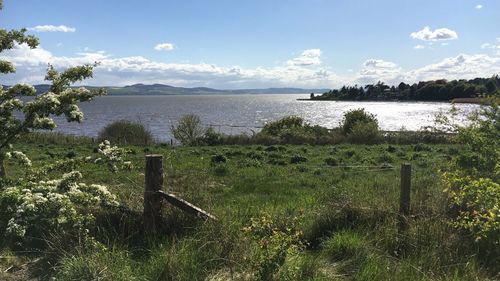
pixel 153 184
pixel 404 197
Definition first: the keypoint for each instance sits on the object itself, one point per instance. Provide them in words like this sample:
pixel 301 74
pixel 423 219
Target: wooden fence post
pixel 152 184
pixel 404 197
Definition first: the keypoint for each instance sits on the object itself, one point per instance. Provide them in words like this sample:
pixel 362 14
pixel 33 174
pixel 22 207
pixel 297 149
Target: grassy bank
pixel 286 212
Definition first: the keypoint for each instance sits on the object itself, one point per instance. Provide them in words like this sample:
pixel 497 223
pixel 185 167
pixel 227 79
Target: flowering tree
pixel 37 113
pixel 52 197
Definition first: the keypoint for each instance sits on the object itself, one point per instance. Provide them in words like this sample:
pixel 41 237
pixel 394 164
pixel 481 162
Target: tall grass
pixel 346 213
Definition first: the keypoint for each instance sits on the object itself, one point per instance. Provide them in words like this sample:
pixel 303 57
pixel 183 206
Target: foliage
pixel 38 203
pixel 36 114
pixel 295 159
pixel 293 130
pixel 126 132
pixel 113 156
pixel 358 201
pixel 437 90
pixel 472 184
pixel 276 128
pixel 211 137
pixel 357 117
pixel 479 205
pixel 189 130
pixel 218 158
pixel 275 242
pixel 365 133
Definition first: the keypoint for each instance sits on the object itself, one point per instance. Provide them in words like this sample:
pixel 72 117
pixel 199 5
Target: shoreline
pixel 481 101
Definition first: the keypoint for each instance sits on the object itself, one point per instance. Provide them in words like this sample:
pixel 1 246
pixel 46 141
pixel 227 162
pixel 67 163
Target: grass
pixel 344 198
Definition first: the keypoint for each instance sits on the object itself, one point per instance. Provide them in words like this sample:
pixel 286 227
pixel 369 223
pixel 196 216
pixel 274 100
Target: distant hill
pixel 161 89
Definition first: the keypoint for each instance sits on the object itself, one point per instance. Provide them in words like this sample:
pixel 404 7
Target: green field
pixel 327 213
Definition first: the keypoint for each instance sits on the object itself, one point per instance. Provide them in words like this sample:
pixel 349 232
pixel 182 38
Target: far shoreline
pixel 481 101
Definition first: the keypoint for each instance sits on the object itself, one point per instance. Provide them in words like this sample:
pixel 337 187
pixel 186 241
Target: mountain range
pixel 161 89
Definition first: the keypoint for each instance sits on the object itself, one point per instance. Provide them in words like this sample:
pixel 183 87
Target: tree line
pixel 436 90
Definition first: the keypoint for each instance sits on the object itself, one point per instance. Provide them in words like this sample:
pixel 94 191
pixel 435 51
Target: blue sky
pixel 254 44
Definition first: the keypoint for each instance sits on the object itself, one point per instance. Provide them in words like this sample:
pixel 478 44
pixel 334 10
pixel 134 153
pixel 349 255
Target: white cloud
pixel 308 57
pixel 31 65
pixel 462 66
pixel 439 34
pixel 164 47
pixel 52 28
pixel 419 47
pixel 487 46
pixel 378 70
pixel 119 71
pixel 479 6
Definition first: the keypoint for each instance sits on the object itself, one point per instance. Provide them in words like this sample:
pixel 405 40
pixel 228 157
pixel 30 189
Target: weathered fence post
pixel 152 201
pixel 404 197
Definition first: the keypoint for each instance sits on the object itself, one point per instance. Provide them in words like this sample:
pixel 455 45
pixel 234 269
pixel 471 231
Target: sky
pixel 235 44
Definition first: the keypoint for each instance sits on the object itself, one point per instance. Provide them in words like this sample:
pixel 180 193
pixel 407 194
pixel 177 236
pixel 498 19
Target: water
pixel 233 114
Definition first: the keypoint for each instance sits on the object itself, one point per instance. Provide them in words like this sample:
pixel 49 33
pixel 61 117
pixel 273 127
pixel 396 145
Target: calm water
pixel 249 112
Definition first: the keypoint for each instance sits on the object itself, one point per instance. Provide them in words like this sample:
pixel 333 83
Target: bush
pixel 298 159
pixel 360 127
pixel 364 133
pixel 126 132
pixel 211 137
pixel 473 184
pixel 220 169
pixel 293 130
pixel 189 130
pixel 277 127
pixel 219 158
pixel 355 117
pixel 331 161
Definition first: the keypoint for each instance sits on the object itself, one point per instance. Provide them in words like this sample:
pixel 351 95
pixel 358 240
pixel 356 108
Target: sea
pixel 234 114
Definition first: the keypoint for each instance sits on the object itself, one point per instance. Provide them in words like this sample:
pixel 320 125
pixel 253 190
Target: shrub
pixel 211 137
pixel 391 149
pixel 277 127
pixel 275 239
pixel 255 155
pixel 355 117
pixel 478 202
pixel 219 158
pixel 385 158
pixel 189 130
pixel 295 159
pixel 331 161
pixel 421 147
pixel 364 133
pixel 126 132
pixel 473 182
pixel 293 130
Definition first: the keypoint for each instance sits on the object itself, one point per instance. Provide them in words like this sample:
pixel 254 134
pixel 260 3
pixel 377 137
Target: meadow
pixel 284 212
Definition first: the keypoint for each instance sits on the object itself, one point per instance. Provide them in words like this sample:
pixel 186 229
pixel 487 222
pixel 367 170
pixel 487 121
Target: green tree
pixel 37 113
